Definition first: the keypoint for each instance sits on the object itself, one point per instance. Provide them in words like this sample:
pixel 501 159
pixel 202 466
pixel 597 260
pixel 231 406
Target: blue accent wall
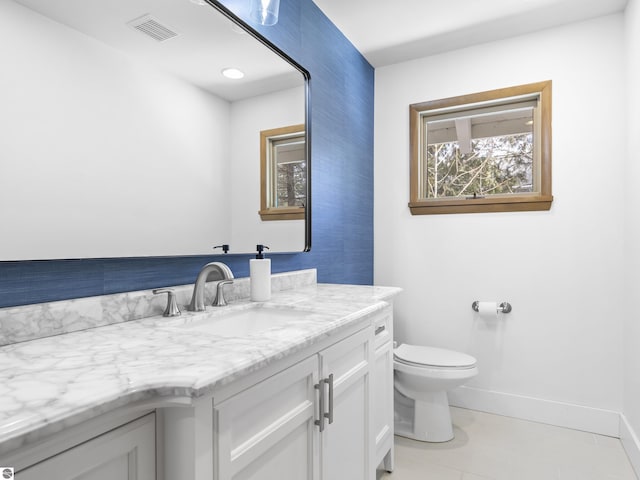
pixel 342 92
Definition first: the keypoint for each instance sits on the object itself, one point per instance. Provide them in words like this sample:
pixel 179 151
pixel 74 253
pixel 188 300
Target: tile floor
pixel 492 447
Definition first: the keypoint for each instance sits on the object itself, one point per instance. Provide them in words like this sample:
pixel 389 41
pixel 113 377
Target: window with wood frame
pixel 483 152
pixel 283 173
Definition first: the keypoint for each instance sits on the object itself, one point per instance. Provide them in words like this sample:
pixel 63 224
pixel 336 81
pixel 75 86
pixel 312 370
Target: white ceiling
pixel 392 31
pixel 206 42
pixel 385 31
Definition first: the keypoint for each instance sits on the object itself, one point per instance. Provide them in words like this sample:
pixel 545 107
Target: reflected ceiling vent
pixel 152 28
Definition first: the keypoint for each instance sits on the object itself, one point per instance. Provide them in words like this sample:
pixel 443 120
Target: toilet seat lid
pixel 432 356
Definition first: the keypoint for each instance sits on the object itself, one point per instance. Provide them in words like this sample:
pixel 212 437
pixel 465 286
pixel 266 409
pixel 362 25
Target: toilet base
pixel 429 419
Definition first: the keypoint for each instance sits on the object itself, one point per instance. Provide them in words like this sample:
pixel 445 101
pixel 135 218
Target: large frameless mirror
pixel 121 137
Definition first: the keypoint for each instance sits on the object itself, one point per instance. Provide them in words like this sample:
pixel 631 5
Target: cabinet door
pixel 267 432
pixel 382 406
pixel 346 440
pixel 128 452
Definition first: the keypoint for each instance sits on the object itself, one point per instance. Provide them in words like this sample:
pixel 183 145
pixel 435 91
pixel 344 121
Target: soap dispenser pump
pixel 260 276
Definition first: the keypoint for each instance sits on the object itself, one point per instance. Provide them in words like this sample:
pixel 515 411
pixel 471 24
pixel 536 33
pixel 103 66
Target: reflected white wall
pixel 100 155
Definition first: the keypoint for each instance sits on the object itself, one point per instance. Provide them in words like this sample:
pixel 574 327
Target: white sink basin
pixel 247 322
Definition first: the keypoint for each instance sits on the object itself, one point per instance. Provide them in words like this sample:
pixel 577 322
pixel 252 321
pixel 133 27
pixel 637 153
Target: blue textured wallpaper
pixel 342 95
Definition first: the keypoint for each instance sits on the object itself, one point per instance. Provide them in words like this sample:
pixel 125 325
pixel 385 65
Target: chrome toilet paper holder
pixel 504 307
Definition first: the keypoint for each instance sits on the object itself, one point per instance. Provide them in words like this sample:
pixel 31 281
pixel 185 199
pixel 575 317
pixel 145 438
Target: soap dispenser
pixel 260 276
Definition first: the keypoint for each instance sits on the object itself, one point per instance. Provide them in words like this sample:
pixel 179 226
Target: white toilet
pixel 422 377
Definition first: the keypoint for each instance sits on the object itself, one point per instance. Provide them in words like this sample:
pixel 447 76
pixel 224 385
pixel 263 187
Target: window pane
pixel 485 154
pixel 290 173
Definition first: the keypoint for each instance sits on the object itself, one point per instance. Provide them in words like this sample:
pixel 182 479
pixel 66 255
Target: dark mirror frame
pixel 92 248
pixel 307 116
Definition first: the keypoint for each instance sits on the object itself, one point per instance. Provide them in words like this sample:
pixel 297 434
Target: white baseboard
pixel 631 443
pixel 578 417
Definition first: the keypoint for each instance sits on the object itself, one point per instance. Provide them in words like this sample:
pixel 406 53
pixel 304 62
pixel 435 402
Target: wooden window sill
pixel 293 213
pixel 513 203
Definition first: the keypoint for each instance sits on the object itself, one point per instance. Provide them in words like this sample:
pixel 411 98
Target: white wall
pixel 557 356
pixel 630 426
pixel 96 149
pixel 248 118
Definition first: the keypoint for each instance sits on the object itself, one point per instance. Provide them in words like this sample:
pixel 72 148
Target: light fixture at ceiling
pixel 233 73
pixel 199 2
pixel 264 12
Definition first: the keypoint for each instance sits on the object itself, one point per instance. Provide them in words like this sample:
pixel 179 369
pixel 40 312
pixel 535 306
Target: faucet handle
pixel 220 301
pixel 172 309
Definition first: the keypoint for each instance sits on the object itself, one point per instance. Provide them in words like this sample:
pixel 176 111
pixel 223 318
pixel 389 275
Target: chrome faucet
pixel 226 277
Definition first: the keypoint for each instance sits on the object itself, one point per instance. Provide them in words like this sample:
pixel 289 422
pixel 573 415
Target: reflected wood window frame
pixel 540 198
pixel 269 210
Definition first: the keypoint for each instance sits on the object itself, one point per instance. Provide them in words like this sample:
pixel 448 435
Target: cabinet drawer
pixel 383 327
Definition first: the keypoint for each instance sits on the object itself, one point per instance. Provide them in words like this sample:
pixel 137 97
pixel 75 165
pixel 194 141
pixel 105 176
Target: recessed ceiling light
pixel 199 2
pixel 233 73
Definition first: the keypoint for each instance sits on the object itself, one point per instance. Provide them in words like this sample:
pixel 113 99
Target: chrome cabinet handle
pixel 380 329
pixel 320 422
pixel 329 415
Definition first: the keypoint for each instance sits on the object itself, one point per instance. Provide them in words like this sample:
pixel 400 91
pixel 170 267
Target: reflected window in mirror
pixel 283 173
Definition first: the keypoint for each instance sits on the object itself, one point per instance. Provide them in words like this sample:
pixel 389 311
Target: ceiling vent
pixel 152 28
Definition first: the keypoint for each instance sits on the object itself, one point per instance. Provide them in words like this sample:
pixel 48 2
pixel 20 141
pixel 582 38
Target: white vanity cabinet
pixel 322 411
pixel 127 452
pixel 310 421
pixel 382 387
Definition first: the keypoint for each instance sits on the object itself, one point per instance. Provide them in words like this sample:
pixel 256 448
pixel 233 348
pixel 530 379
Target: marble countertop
pixel 49 384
